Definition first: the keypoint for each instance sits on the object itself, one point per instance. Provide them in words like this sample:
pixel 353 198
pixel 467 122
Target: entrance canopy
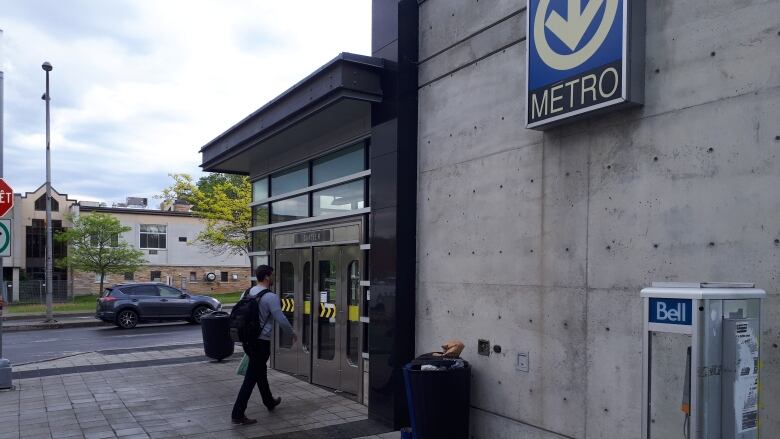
pixel 326 110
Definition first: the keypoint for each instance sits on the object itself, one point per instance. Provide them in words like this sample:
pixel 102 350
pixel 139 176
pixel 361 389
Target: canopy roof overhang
pixel 334 95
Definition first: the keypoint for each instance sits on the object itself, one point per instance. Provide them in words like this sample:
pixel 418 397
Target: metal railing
pixel 34 291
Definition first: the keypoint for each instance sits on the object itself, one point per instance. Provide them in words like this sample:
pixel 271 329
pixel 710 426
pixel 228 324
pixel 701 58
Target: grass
pixel 87 303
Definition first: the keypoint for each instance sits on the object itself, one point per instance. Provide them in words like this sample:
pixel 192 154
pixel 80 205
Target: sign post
pixel 6 203
pixel 590 61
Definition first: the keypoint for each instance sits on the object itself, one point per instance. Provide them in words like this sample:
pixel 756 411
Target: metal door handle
pixel 163 300
pixel 135 300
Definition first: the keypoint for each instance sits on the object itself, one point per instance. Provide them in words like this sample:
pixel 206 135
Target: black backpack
pixel 245 325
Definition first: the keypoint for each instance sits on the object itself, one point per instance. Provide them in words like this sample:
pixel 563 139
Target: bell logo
pixel 672 315
pixel 670 311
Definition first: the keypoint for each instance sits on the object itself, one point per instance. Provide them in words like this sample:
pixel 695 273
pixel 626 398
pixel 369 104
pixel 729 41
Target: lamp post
pixel 5 365
pixel 49 313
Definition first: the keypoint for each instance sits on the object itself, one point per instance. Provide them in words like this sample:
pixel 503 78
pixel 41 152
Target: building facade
pixel 532 243
pixel 168 240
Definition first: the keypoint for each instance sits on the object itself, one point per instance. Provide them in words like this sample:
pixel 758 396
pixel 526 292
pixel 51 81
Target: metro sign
pixel 6 197
pixel 583 56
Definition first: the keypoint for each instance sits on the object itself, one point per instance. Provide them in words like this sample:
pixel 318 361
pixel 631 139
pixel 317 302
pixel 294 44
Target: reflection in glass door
pixel 350 319
pixel 292 276
pixel 325 365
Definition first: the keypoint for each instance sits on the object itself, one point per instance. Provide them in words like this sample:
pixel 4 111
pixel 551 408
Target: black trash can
pixel 438 399
pixel 216 335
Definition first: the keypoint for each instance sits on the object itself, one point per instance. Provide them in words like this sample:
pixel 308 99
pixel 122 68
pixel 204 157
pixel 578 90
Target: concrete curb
pixel 58 325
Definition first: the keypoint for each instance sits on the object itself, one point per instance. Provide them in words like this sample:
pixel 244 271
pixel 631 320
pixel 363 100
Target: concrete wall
pixel 540 242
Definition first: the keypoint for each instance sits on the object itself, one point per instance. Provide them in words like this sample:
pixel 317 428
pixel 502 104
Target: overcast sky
pixel 139 86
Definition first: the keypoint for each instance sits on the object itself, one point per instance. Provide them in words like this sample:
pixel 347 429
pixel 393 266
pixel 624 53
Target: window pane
pixel 169 292
pixel 144 240
pixel 260 189
pixel 353 325
pixel 290 209
pixel 338 164
pixel 257 261
pixel 129 276
pixel 223 276
pixel 343 198
pixel 161 241
pixel 260 241
pixel 260 215
pixel 193 276
pixel 153 241
pixel 306 336
pixel 290 180
pixel 326 326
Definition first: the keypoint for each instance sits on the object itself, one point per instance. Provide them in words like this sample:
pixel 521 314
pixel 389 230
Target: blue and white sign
pixel 583 56
pixel 671 311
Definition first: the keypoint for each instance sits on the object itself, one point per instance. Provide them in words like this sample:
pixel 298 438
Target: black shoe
pixel 276 401
pixel 244 421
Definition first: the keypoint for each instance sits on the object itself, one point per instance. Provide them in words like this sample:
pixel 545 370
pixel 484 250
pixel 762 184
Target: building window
pixel 339 164
pixel 260 241
pixel 156 276
pixel 40 204
pixel 290 209
pixel 153 236
pixel 223 276
pixel 338 199
pixel 290 180
pixel 129 276
pixel 260 189
pixel 193 276
pixel 97 278
pixel 182 239
pixel 260 215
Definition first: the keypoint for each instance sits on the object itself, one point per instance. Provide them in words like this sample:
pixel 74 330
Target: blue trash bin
pixel 439 400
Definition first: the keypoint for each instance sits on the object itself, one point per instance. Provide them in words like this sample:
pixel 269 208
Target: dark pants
pixel 257 373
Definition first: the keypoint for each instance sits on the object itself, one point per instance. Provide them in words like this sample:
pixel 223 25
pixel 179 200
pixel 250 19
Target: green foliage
pixel 95 246
pixel 222 200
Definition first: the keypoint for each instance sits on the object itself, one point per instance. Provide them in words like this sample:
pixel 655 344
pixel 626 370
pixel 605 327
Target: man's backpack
pixel 245 325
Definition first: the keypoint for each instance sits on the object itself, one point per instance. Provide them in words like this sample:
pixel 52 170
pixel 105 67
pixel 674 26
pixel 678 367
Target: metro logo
pixel 671 311
pixel 582 55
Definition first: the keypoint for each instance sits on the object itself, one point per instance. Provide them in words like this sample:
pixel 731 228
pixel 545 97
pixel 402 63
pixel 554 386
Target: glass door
pixel 288 287
pixel 325 362
pixel 349 319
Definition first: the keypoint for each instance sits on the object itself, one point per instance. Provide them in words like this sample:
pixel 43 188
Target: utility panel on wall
pixel 583 57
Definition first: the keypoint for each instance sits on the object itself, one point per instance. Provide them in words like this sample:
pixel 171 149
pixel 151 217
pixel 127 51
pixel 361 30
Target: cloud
pixel 138 87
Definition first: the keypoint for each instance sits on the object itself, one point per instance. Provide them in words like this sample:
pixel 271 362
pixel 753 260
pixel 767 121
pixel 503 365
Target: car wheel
pixel 199 312
pixel 127 319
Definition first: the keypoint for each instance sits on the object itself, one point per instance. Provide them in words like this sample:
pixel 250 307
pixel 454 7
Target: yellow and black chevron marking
pixel 328 310
pixel 288 305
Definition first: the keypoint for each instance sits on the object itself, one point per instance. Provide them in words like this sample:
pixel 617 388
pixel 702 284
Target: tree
pixel 223 201
pixel 95 246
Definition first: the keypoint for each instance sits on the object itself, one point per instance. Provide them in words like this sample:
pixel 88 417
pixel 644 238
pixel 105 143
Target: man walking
pixel 260 350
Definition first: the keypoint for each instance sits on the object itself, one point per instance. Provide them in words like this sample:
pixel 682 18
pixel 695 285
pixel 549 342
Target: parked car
pixel 125 305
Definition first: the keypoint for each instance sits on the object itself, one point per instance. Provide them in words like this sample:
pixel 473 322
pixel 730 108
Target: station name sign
pixel 312 236
pixel 584 57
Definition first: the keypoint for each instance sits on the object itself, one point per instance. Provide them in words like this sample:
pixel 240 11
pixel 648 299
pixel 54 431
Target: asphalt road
pixel 28 346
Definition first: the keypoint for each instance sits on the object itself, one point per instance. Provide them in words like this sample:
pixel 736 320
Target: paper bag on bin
pixel 452 349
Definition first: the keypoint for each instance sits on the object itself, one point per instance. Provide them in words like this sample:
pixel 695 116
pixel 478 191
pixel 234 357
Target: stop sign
pixel 6 197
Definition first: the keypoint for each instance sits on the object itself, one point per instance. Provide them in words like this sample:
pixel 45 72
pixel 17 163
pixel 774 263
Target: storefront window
pixel 339 164
pixel 338 199
pixel 260 215
pixel 290 209
pixel 260 241
pixel 290 180
pixel 260 189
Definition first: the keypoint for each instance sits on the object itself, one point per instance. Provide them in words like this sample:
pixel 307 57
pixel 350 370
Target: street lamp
pixel 49 312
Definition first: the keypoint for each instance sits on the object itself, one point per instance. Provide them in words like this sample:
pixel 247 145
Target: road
pixel 28 346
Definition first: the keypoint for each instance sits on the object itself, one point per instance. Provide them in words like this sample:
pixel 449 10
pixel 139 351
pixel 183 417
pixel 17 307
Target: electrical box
pixel 701 361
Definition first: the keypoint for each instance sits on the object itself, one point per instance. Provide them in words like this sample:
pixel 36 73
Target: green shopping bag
pixel 243 365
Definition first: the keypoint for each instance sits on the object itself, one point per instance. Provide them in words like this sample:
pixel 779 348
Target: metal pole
pixel 5 365
pixel 49 312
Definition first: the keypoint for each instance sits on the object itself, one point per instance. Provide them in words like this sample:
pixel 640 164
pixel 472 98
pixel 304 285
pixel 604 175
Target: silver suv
pixel 125 305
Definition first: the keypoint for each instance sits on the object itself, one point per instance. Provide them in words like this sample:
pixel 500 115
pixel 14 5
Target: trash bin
pixel 216 335
pixel 438 392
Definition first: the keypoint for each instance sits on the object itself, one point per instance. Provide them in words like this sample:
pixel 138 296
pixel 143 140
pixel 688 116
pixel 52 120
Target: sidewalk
pixel 164 393
pixel 31 322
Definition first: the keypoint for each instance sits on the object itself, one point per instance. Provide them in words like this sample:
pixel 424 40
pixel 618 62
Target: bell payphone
pixel 701 361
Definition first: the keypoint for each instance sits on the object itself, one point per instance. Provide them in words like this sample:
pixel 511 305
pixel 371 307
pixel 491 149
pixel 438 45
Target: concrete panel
pixel 614 372
pixel 457 126
pixel 565 211
pixel 485 215
pixel 671 203
pixel 445 22
pixel 499 36
pixel 485 425
pixel 548 325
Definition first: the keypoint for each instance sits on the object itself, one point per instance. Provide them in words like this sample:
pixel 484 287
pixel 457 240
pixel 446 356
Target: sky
pixel 139 86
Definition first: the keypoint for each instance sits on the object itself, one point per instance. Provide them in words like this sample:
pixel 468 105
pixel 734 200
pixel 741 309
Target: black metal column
pixel 393 198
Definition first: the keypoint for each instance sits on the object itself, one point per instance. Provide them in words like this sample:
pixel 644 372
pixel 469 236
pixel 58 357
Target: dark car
pixel 126 305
